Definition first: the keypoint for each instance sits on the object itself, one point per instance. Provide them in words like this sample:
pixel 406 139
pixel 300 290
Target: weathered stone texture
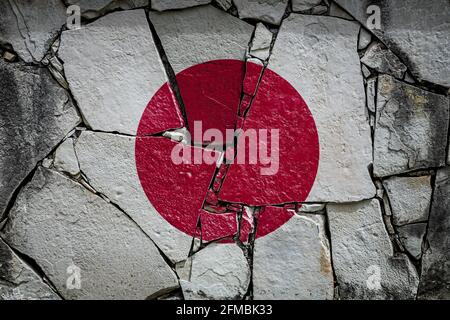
pixel 318 56
pixel 293 262
pixel 198 35
pixel 113 69
pixel 417 31
pixel 409 198
pixel 35 115
pixel 66 159
pixel 363 256
pixel 99 155
pixel 18 281
pixel 219 271
pixel 62 225
pixel 162 5
pixel 435 280
pixel 270 11
pixel 411 128
pixel 30 26
pixel 95 8
pixel 384 61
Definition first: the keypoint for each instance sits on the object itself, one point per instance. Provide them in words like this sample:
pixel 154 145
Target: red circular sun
pixel 218 93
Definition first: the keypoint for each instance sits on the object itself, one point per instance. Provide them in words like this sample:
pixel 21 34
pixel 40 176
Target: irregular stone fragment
pixel 218 272
pixel 318 57
pixel 303 5
pixel 261 42
pixel 225 4
pixel 383 60
pixel 312 207
pixel 8 56
pixel 202 34
pixel 101 154
pixel 363 257
pixel 18 281
pixel 31 25
pixel 66 159
pixel 162 5
pixel 435 280
pixel 365 71
pixel 411 237
pixel 371 93
pixel 411 128
pixel 364 39
pixel 113 69
pixel 417 31
pixel 95 8
pixel 218 226
pixel 65 228
pixel 58 77
pixel 161 114
pixel 410 198
pixel 319 10
pixel 270 11
pixel 35 115
pixel 293 262
pixel 336 11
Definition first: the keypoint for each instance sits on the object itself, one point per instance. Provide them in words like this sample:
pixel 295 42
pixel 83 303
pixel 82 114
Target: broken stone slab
pixel 303 5
pixel 59 77
pixel 31 26
pixel 217 272
pixel 317 52
pixel 294 262
pixel 435 280
pixel 363 257
pixel 18 281
pixel 9 56
pixel 312 207
pixel 319 10
pixel 371 93
pixel 417 32
pixel 85 246
pixel 218 226
pixel 198 35
pixel 270 11
pixel 410 198
pixel 66 159
pixel 336 11
pixel 92 9
pixel 112 63
pixel 411 237
pixel 365 38
pixel 101 154
pixel 224 4
pixel 35 115
pixel 262 39
pixel 383 60
pixel 162 5
pixel 411 128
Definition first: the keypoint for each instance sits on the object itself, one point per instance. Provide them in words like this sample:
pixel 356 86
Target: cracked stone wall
pixel 92 206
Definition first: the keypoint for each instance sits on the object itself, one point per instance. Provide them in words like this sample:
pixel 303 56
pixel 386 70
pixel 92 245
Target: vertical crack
pixel 168 68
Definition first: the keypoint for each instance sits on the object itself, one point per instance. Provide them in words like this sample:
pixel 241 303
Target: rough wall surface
pixel 96 203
